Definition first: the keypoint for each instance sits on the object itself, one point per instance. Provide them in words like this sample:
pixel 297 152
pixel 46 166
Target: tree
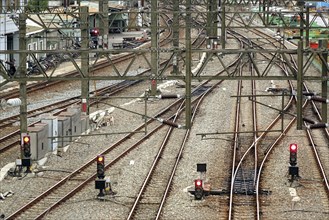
pixel 37 5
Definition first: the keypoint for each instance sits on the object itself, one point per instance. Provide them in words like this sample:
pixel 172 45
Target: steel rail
pixel 62 105
pixel 198 101
pixel 89 164
pixel 309 135
pixel 79 170
pixel 97 66
pixel 234 172
pixel 149 176
pixel 14 135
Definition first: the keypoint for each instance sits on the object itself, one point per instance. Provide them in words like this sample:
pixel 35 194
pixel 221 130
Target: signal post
pixel 26 152
pixel 100 182
pixel 201 187
pixel 293 168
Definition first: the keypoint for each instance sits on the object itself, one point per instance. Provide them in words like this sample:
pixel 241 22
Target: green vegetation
pixel 37 5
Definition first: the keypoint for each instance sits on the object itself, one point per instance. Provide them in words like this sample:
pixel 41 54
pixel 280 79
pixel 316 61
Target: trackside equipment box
pixel 75 123
pixel 79 114
pixel 84 124
pixel 63 131
pixel 52 122
pixel 39 140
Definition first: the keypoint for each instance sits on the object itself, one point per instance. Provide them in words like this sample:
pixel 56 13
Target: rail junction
pixel 116 123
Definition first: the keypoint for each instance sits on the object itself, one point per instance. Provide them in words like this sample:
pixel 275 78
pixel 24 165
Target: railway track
pixel 154 191
pixel 71 184
pixel 72 176
pixel 12 139
pixel 244 207
pixel 243 181
pixel 254 202
pixel 10 134
pixel 96 68
pixel 78 175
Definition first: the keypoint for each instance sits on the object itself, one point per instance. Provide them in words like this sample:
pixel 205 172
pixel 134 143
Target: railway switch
pixel 199 193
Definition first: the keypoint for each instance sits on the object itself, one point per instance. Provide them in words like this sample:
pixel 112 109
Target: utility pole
pixel 85 59
pixel 154 46
pixel 323 44
pixel 176 36
pixel 21 73
pixel 188 73
pixel 104 24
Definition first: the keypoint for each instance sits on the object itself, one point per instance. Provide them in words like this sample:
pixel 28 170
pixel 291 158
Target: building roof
pixel 7 25
pixel 94 6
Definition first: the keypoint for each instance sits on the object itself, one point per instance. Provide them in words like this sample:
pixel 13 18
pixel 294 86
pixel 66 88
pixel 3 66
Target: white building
pixel 8 35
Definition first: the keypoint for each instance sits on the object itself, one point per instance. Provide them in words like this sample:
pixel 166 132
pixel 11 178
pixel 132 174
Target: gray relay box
pixel 39 140
pixel 52 122
pixel 75 123
pixel 64 126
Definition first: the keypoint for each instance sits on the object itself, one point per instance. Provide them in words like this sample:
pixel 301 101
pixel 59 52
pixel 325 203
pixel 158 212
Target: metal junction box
pixel 52 122
pixel 77 109
pixel 75 123
pixel 84 124
pixel 39 140
pixel 64 126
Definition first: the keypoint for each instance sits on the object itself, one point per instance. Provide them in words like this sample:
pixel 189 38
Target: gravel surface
pixel 214 115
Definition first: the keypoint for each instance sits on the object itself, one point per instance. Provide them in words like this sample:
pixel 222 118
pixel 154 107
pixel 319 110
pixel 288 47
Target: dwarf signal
pixel 293 154
pixel 293 168
pixel 198 189
pixel 100 182
pixel 26 146
pixel 26 151
pixel 100 166
pixel 94 32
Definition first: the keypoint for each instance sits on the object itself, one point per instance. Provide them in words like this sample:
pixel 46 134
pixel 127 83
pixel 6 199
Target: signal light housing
pixel 94 32
pixel 293 154
pixel 198 195
pixel 26 146
pixel 100 166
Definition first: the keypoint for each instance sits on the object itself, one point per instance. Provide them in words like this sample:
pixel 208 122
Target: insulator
pixel 309 120
pixel 3 104
pixel 319 99
pixel 14 102
pixel 169 96
pixel 309 93
pixel 318 125
pixel 169 123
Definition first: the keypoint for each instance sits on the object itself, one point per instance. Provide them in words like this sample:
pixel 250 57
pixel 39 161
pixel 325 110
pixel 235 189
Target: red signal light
pixel 94 32
pixel 293 147
pixel 293 154
pixel 198 194
pixel 198 183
